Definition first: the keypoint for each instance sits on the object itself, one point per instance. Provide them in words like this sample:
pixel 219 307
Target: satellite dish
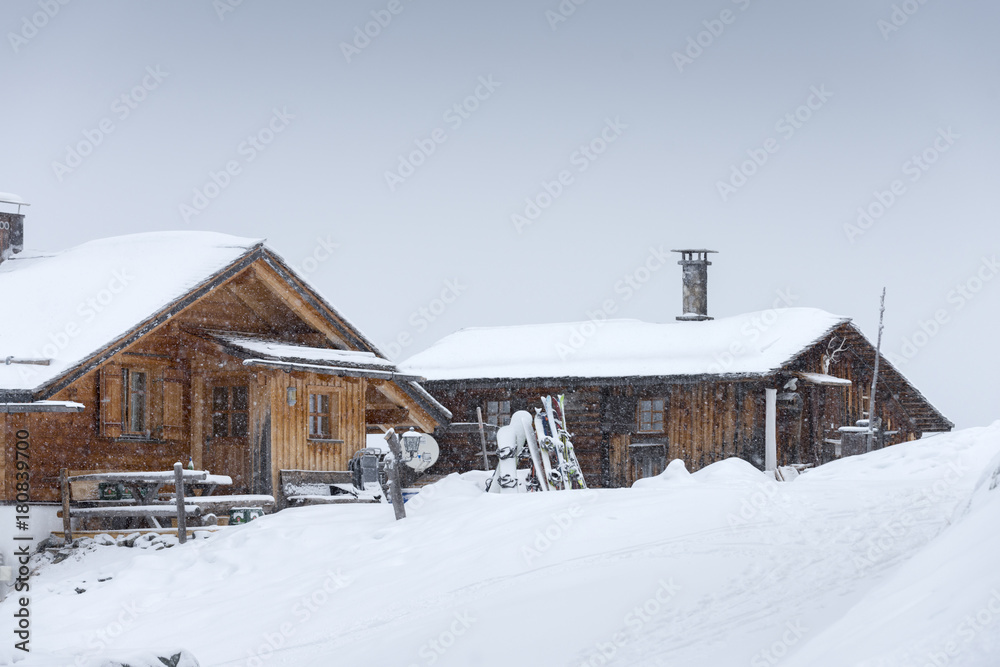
pixel 419 455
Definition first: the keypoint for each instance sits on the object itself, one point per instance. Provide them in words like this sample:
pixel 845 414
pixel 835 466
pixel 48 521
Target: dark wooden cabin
pixel 640 394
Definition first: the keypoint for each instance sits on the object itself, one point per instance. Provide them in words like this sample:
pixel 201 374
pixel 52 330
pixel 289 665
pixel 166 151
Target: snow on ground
pixel 883 559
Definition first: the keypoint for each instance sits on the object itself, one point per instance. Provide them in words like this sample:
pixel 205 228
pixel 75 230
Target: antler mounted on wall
pixel 832 352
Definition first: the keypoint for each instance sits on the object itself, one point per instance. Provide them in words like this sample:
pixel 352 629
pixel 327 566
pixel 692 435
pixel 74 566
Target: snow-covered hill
pixel 883 559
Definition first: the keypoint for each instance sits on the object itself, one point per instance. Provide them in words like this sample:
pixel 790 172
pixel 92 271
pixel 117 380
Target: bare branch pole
pixel 874 423
pixel 395 488
pixel 482 438
pixel 181 515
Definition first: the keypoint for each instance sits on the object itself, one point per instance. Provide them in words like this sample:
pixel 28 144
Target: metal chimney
pixel 11 227
pixel 695 263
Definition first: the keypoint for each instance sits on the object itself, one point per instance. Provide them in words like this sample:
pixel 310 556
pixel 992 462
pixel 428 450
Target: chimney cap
pixel 15 200
pixel 10 198
pixel 695 250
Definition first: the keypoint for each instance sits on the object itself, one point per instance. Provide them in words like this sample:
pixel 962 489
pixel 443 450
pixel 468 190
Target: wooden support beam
pixel 67 520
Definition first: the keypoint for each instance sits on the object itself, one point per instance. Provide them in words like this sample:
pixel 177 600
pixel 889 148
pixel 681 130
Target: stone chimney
pixel 11 226
pixel 695 263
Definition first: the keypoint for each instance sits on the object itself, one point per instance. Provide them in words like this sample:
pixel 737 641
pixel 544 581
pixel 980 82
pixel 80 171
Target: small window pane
pixel 220 425
pixel 220 399
pixel 241 398
pixel 240 424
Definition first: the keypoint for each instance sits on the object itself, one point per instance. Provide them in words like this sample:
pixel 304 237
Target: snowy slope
pixel 872 560
pixel 752 343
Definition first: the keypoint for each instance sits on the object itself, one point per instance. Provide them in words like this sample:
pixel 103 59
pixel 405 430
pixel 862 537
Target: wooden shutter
pixel 110 394
pixel 173 404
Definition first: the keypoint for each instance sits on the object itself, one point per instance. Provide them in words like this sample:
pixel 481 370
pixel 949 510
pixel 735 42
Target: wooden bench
pixel 291 479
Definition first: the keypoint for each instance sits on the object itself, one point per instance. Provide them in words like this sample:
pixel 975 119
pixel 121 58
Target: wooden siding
pixel 707 418
pixel 290 444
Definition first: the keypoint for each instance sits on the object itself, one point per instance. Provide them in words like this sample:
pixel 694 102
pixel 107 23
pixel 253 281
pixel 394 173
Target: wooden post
pixel 67 522
pixel 181 516
pixel 482 438
pixel 395 489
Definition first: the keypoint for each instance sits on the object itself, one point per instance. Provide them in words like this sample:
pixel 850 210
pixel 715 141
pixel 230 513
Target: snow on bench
pixel 133 511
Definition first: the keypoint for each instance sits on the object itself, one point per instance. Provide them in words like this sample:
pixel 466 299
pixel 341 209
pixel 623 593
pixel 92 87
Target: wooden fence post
pixel 181 516
pixel 64 488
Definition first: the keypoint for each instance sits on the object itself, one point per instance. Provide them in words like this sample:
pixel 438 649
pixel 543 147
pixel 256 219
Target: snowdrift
pixel 883 559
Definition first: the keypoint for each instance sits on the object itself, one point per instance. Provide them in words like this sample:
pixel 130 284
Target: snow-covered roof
pixel 749 344
pixel 269 349
pixel 65 306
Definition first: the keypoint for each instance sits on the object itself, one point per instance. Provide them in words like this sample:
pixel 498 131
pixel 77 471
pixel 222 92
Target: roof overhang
pixel 824 379
pixel 41 406
pixel 324 369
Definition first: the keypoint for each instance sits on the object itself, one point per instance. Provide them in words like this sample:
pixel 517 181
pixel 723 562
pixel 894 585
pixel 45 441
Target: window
pixel 134 405
pixel 230 412
pixel 324 418
pixel 651 415
pixel 498 413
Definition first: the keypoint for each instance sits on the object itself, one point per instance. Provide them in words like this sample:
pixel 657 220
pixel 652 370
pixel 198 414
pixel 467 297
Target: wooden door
pixel 227 437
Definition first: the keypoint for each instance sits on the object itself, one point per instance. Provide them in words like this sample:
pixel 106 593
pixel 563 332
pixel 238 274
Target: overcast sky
pixel 758 129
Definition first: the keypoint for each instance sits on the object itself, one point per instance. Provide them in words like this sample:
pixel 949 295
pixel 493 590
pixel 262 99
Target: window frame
pixel 499 417
pixel 230 410
pixel 128 394
pixel 653 411
pixel 333 414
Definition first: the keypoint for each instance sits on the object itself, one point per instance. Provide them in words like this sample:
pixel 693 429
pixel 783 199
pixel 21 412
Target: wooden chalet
pixel 641 394
pixel 132 353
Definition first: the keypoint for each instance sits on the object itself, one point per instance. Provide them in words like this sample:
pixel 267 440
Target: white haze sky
pixel 656 185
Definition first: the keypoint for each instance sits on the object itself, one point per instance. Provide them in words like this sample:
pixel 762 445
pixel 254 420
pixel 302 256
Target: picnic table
pixel 145 501
pixel 145 486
